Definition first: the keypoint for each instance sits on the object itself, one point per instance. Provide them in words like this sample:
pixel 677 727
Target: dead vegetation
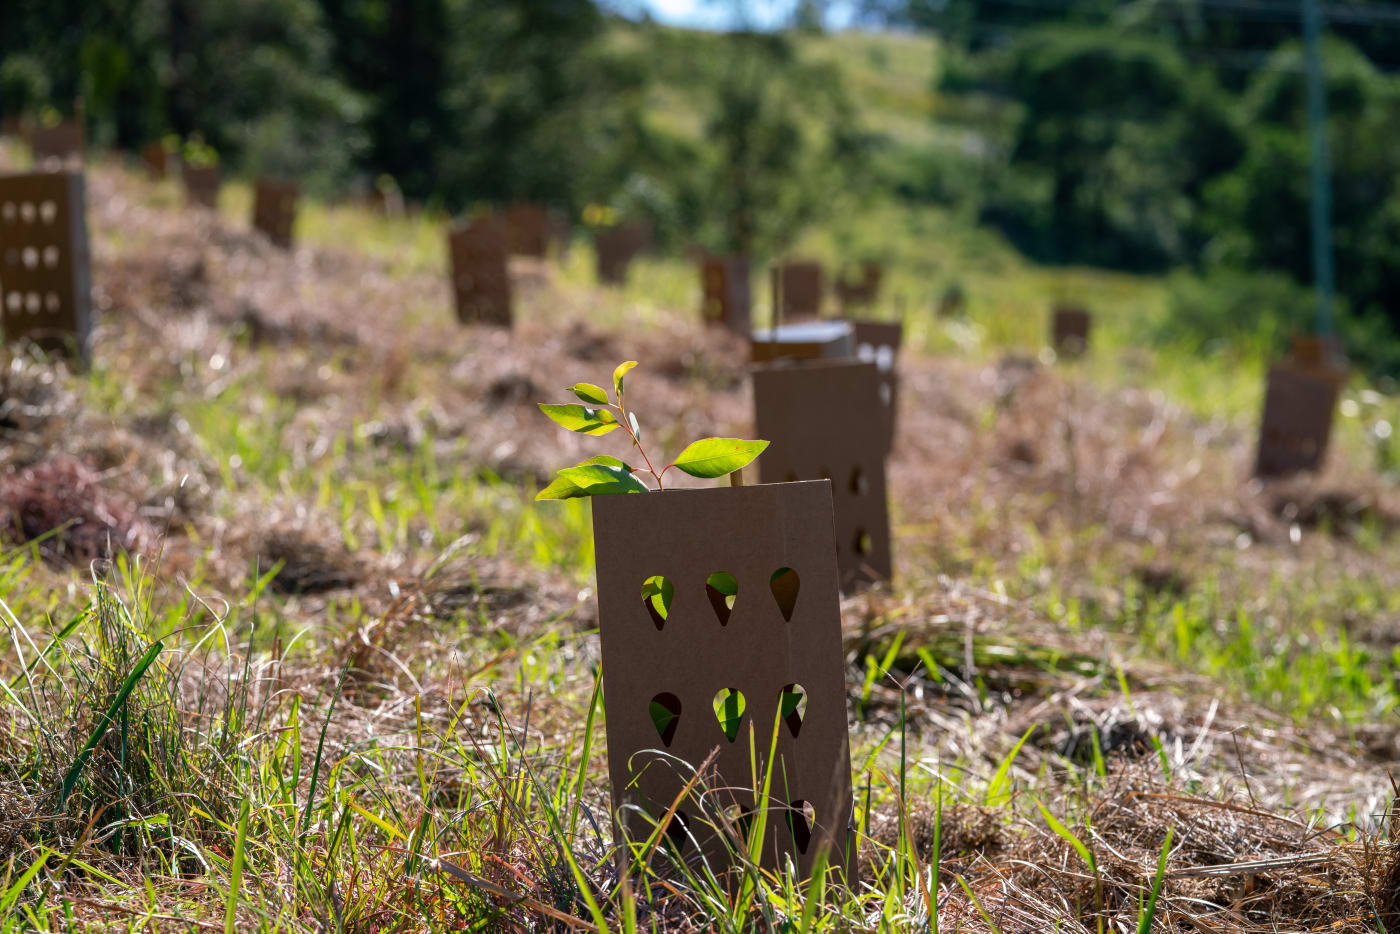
pixel 428 642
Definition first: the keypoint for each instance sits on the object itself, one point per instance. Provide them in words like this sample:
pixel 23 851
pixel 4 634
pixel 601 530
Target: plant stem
pixel 637 442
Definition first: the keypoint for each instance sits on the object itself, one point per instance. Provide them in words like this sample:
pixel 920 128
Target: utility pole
pixel 1321 203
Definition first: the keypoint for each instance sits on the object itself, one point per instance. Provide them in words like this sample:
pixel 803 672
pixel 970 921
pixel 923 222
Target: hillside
pixel 378 654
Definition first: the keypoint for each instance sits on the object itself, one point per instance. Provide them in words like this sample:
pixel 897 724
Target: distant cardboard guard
pixel 726 300
pixel 797 288
pixel 1069 333
pixel 480 272
pixel 1300 400
pixel 275 210
pixel 824 420
pixel 45 267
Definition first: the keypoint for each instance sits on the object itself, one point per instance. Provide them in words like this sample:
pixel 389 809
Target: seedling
pixel 709 458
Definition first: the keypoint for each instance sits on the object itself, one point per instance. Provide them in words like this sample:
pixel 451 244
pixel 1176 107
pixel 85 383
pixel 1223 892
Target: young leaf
pixel 998 789
pixel 1065 834
pixel 600 479
pixel 715 457
pixel 590 393
pixel 580 418
pixel 564 488
pixel 636 428
pixel 620 372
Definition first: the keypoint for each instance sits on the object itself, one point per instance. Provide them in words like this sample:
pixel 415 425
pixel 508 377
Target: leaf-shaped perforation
pixel 665 710
pixel 863 543
pixel 801 819
pixel 723 590
pixel 657 594
pixel 792 706
pixel 785 585
pixel 678 831
pixel 729 711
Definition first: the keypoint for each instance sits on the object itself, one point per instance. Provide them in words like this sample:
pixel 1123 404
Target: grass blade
pixel 76 769
pixel 1145 922
pixel 236 870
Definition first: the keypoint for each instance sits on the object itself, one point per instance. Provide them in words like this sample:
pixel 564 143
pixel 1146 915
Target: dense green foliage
pixel 460 101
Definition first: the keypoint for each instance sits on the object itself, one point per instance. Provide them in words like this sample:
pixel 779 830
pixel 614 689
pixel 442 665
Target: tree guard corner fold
pixel 797 289
pixel 480 272
pixel 878 342
pixel 725 297
pixel 45 264
pixel 275 210
pixel 201 185
pixel 823 421
pixel 778 638
pixel 1069 330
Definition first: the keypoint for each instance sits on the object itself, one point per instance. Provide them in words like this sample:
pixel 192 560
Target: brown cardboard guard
pixel 275 210
pixel 616 247
pixel 528 230
pixel 726 301
pixel 1069 331
pixel 878 342
pixel 797 288
pixel 45 270
pixel 777 633
pixel 156 159
pixel 1299 401
pixel 201 185
pixel 822 420
pixel 862 292
pixel 480 274
pixel 57 148
pixel 805 340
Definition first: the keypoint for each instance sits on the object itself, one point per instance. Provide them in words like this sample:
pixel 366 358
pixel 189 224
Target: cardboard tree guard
pixel 528 230
pixel 779 633
pixel 862 292
pixel 1300 399
pixel 480 274
pixel 726 301
pixel 617 246
pixel 156 159
pixel 797 290
pixel 201 185
pixel 58 148
pixel 275 210
pixel 823 420
pixel 805 340
pixel 1069 331
pixel 45 267
pixel 878 342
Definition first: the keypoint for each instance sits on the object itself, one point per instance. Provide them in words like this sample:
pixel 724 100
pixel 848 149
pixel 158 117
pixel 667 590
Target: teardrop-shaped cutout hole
pixel 678 831
pixel 729 710
pixel 784 583
pixel 723 589
pixel 792 706
pixel 665 710
pixel 863 543
pixel 657 593
pixel 801 818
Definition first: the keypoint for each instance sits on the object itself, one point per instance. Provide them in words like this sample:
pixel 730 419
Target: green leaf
pixel 620 372
pixel 715 457
pixel 1064 834
pixel 660 591
pixel 601 479
pixel 724 582
pixel 998 790
pixel 563 488
pixel 1145 922
pixel 580 418
pixel 590 393
pixel 76 769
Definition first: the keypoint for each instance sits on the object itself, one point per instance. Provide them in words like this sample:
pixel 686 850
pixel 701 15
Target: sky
pixel 718 14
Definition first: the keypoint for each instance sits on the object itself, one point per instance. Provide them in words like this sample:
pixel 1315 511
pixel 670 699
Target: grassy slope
pixel 1028 597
